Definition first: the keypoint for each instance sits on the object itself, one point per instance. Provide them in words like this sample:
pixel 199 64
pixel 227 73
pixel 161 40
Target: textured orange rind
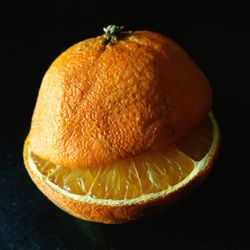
pixel 99 104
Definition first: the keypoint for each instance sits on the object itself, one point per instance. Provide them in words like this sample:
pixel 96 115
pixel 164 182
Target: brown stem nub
pixel 113 33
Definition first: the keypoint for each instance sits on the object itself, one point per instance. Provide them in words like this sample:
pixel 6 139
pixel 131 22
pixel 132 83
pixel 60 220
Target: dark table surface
pixel 215 216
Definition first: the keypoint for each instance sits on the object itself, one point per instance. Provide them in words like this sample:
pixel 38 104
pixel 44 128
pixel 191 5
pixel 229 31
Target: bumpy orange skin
pixel 119 214
pixel 99 104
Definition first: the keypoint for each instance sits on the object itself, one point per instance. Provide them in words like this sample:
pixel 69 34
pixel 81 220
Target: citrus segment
pixel 126 179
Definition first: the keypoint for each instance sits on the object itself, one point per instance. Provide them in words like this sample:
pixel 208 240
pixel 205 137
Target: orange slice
pixel 132 187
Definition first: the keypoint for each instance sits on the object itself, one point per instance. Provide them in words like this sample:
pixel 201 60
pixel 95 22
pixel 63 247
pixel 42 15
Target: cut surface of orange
pixel 137 179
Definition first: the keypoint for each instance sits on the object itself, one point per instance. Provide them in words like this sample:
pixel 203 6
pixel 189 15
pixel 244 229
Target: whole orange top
pixel 115 96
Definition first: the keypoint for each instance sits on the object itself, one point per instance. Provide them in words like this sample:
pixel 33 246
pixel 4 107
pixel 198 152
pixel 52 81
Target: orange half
pixel 130 188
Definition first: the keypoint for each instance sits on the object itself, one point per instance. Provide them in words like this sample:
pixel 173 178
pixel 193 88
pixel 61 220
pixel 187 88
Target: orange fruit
pixel 98 104
pixel 121 127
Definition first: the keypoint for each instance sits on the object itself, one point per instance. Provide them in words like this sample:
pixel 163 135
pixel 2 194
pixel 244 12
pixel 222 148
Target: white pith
pixel 199 167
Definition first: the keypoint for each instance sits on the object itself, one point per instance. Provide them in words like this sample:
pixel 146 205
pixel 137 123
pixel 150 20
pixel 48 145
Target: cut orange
pixel 121 127
pixel 129 188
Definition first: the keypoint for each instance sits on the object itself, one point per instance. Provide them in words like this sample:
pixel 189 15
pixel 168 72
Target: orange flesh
pixel 133 177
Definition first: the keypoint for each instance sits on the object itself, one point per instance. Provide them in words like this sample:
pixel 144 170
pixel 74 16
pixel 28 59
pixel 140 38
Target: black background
pixel 217 36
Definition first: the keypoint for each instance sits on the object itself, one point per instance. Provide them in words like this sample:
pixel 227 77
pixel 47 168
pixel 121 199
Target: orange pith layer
pixel 133 177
